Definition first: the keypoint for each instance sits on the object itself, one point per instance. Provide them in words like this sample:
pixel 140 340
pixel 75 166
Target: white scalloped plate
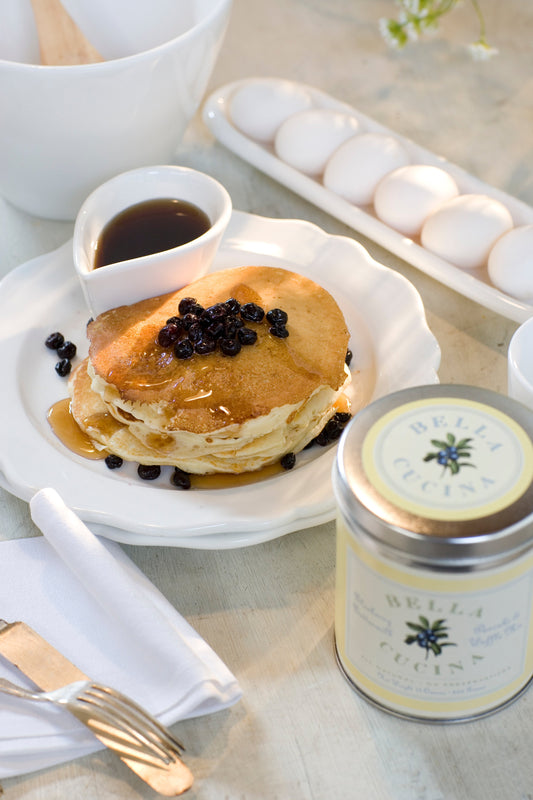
pixel 393 348
pixel 473 284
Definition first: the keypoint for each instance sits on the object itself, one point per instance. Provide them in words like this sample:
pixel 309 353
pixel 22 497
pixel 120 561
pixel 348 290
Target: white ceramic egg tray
pixel 474 284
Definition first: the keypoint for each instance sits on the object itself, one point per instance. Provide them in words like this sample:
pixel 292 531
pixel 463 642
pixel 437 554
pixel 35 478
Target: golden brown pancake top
pixel 208 392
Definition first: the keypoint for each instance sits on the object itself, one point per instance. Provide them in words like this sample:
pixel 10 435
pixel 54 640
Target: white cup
pixel 520 364
pixel 66 129
pixel 126 282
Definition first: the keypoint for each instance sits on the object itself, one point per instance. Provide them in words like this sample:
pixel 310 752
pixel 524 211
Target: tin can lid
pixel 440 470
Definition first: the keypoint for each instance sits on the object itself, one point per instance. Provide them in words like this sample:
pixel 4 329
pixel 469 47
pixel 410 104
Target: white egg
pixel 307 140
pixel 510 263
pixel 408 195
pixel 258 108
pixel 357 166
pixel 464 229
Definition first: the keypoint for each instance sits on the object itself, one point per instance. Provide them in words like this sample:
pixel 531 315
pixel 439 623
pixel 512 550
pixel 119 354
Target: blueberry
pixel 195 332
pixel 348 358
pixel 232 306
pixel 173 320
pixel 205 346
pixel 247 336
pixel 183 349
pixel 180 479
pixel 113 462
pixel 67 350
pixel 188 320
pixel 232 325
pixel 343 417
pixel 276 316
pixel 185 304
pixel 322 439
pixel 279 330
pixel 216 312
pixel 288 461
pixel 148 472
pixel 333 430
pixel 169 334
pixel 230 347
pixel 63 367
pixel 215 329
pixel 55 340
pixel 251 312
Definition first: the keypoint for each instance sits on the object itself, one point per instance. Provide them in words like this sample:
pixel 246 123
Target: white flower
pixel 413 7
pixel 412 32
pixel 481 51
pixel 386 33
pixel 392 33
pixel 416 17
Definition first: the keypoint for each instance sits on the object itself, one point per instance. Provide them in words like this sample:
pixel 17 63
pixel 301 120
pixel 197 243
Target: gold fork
pixel 124 727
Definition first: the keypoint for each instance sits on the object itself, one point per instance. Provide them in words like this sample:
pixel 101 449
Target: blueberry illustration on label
pixel 429 636
pixel 451 454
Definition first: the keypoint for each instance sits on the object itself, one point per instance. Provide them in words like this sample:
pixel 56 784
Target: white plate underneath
pixel 393 348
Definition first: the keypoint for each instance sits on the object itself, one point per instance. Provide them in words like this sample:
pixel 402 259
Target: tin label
pixel 448 458
pixel 430 646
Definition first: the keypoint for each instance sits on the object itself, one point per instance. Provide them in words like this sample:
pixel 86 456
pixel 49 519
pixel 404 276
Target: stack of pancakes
pixel 214 413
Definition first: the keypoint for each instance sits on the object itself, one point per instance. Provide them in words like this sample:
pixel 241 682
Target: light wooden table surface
pixel 300 732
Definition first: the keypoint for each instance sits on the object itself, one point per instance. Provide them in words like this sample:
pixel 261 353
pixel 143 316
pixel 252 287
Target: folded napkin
pixel 86 597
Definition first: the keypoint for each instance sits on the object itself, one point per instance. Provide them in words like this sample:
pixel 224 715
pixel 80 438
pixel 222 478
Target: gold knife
pixel 50 670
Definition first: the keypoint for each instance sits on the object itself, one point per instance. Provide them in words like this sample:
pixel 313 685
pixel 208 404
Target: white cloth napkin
pixel 86 597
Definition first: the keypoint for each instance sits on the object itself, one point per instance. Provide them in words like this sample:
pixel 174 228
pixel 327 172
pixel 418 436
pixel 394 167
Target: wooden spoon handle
pixel 60 40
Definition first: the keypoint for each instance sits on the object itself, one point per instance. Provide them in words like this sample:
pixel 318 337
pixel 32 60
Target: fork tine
pixel 118 722
pixel 131 730
pixel 127 746
pixel 128 707
pixel 143 714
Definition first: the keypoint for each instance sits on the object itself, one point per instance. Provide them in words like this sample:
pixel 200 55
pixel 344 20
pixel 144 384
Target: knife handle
pixel 36 658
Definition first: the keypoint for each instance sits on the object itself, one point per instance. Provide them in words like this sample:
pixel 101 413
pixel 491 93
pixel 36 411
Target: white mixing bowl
pixel 67 129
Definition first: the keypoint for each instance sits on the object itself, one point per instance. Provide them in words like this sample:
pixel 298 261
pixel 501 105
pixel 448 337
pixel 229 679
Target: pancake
pixel 214 412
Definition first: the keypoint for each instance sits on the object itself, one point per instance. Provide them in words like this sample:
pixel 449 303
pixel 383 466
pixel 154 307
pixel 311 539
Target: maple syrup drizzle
pixel 75 439
pixel 221 480
pixel 343 404
pixel 69 432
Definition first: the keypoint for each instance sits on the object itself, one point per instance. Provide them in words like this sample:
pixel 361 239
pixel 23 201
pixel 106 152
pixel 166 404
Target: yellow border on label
pixel 519 487
pixel 429 708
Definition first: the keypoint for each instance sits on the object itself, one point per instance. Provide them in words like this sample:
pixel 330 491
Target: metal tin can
pixel 434 586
